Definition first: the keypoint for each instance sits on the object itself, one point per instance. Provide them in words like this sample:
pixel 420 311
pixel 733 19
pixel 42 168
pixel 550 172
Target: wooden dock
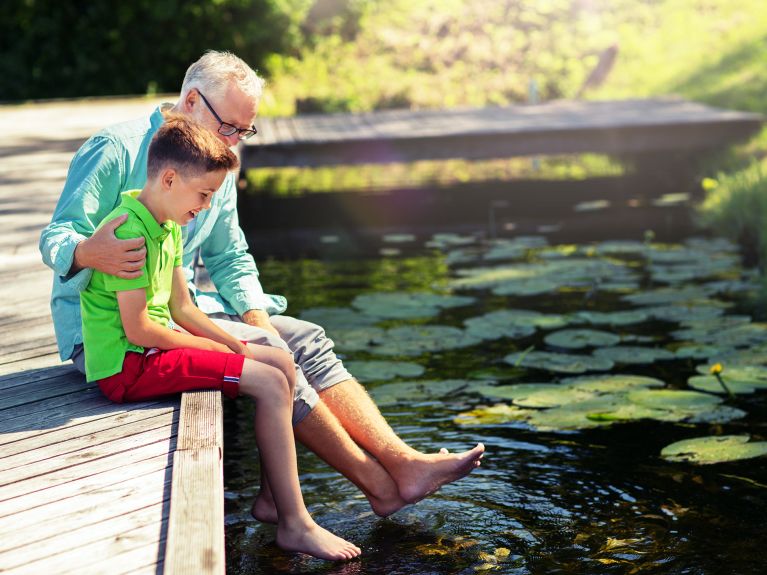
pixel 87 486
pixel 625 127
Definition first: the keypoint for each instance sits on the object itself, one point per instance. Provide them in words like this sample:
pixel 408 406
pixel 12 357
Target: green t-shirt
pixel 104 338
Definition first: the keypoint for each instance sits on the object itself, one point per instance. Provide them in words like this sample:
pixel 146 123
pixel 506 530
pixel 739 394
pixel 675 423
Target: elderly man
pixel 333 415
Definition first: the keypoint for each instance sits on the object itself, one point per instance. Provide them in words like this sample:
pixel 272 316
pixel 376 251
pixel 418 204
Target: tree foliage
pixel 50 48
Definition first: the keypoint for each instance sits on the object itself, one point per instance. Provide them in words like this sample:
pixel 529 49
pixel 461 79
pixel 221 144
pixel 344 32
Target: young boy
pixel 134 354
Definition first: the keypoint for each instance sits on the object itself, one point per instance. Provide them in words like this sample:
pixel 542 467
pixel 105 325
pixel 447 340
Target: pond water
pixel 572 482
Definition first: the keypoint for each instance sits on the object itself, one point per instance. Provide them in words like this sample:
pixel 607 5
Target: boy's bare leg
pixel 321 432
pixel 416 474
pixel 296 530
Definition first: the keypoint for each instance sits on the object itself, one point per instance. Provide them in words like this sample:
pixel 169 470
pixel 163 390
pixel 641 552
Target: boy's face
pixel 188 195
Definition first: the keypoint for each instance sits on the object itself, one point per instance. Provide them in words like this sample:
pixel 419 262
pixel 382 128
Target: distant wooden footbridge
pixel 90 487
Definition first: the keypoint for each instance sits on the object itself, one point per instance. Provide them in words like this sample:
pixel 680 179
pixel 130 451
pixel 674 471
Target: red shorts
pixel 154 374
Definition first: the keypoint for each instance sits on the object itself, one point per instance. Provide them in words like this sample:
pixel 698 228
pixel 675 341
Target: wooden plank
pixel 94 467
pixel 88 427
pixel 39 458
pixel 72 489
pixel 29 354
pixel 196 524
pixel 87 454
pixel 34 391
pixel 553 128
pixel 96 558
pixel 201 420
pixel 76 415
pixel 51 412
pixel 34 375
pixel 50 359
pixel 87 509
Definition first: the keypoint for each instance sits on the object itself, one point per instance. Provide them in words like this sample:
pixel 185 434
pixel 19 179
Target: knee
pixel 267 384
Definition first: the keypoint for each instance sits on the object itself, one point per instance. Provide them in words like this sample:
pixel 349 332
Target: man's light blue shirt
pixel 109 163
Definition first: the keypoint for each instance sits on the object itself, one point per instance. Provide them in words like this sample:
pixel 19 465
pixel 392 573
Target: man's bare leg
pixel 321 432
pixel 416 474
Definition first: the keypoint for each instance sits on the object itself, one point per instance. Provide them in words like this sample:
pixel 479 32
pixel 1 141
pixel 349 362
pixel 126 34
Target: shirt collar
pixel 156 230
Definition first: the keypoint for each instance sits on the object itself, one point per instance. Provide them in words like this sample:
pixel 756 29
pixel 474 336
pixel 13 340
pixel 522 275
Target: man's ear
pixel 167 178
pixel 190 100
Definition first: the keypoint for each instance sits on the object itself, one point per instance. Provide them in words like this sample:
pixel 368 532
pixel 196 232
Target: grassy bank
pixel 364 55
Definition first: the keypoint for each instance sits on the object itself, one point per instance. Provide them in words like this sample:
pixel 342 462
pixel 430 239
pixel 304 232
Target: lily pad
pixel 512 323
pixel 412 340
pixel 357 339
pixel 612 318
pixel 580 338
pixel 402 305
pixel 633 354
pixel 383 370
pixel 612 383
pixel 492 415
pixel 412 391
pixel 536 395
pixel 337 317
pixel 559 362
pixel 714 449
pixel 674 399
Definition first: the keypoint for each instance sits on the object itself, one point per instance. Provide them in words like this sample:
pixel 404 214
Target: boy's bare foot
pixel 425 474
pixel 314 540
pixel 263 508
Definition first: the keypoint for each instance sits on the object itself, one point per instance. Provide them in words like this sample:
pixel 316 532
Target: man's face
pixel 235 108
pixel 189 195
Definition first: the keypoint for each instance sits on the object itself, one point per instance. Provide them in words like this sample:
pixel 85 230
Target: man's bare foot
pixel 315 541
pixel 263 508
pixel 424 475
pixel 385 504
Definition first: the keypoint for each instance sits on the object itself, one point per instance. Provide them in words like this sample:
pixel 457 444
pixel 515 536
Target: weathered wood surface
pixel 562 127
pixel 85 484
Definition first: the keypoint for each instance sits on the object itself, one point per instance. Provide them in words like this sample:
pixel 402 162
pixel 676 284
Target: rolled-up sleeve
pixel 91 191
pixel 231 268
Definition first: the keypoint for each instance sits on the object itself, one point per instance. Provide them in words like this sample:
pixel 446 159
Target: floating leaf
pixel 673 399
pixel 494 414
pixel 612 318
pixel 337 317
pixel 612 383
pixel 401 305
pixel 559 362
pixel 358 339
pixel 411 340
pixel 511 323
pixel 410 391
pixel 580 338
pixel 714 449
pixel 633 354
pixel 537 395
pixel 383 370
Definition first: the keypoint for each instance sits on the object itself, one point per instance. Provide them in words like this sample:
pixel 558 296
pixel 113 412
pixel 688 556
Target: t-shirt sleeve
pixel 178 246
pixel 114 283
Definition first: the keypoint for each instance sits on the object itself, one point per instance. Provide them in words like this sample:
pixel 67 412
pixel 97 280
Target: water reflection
pixel 593 501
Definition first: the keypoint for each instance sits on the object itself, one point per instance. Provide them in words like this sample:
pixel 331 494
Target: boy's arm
pixel 192 319
pixel 142 331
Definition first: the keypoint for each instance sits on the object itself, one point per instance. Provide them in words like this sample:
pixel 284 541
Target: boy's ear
pixel 167 178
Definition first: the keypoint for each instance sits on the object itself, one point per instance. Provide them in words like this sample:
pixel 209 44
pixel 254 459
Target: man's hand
pixel 259 318
pixel 104 252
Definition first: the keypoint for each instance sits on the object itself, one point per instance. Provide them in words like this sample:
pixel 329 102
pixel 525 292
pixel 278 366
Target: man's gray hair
pixel 213 72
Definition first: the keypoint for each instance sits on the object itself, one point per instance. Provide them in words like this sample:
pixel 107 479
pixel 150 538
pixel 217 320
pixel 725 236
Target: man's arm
pixel 231 268
pixel 142 331
pixel 91 190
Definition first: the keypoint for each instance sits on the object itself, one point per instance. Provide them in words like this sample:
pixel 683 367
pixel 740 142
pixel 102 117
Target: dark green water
pixel 591 501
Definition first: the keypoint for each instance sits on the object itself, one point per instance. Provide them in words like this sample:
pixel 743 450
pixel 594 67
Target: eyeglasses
pixel 226 129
